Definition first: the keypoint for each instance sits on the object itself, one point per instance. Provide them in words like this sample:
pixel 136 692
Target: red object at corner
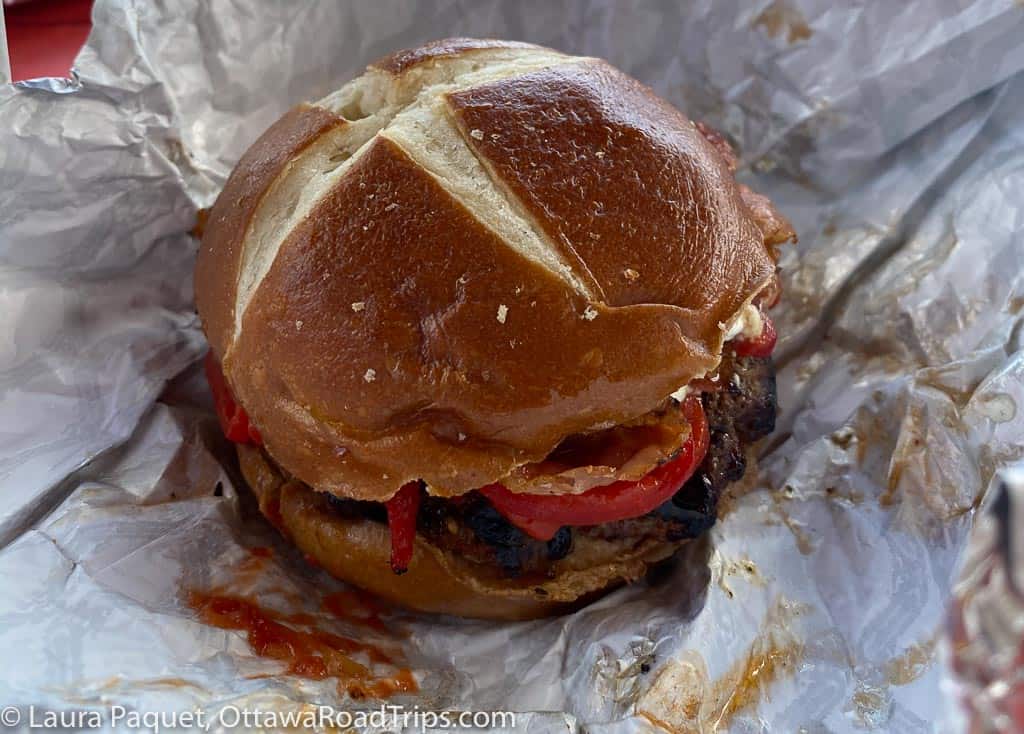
pixel 44 37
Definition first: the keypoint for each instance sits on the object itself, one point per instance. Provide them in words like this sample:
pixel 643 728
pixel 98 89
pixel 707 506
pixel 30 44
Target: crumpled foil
pixel 892 133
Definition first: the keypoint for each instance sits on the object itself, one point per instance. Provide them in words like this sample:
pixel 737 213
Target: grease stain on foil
pixel 928 483
pixel 908 667
pixel 684 700
pixel 723 570
pixel 84 693
pixel 804 539
pixel 872 701
pixel 782 18
pixel 619 677
pixel 871 706
pixel 999 408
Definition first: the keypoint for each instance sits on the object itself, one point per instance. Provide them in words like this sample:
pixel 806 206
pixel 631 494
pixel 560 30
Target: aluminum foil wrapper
pixel 891 133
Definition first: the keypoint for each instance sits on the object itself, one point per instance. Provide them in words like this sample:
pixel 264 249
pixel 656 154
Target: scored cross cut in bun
pixel 468 254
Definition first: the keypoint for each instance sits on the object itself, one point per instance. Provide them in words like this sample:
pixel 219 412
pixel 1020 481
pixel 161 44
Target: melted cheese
pixel 747 323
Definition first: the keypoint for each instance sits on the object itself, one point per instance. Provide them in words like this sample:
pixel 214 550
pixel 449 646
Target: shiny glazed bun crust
pixel 462 257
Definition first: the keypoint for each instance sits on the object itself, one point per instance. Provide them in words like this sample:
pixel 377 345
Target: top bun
pixel 467 254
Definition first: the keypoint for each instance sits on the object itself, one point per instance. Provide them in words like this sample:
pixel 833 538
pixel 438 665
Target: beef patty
pixel 740 412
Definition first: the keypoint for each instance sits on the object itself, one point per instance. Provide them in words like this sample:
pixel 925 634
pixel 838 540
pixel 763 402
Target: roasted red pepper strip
pixel 402 511
pixel 233 419
pixel 760 346
pixel 534 527
pixel 540 515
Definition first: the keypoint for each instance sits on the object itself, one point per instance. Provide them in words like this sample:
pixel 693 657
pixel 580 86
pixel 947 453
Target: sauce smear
pixel 355 606
pixel 403 682
pixel 309 653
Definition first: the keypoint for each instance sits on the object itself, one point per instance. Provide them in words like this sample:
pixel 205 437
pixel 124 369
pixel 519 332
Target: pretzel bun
pixel 356 550
pixel 469 253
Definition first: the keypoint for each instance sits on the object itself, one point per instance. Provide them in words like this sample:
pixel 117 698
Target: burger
pixel 488 327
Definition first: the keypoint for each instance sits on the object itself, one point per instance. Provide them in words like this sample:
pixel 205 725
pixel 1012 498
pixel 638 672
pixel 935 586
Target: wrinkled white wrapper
pixel 891 133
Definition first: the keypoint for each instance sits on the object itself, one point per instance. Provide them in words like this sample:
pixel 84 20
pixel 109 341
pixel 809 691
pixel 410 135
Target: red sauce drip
pixel 348 645
pixel 314 653
pixel 355 606
pixel 262 551
pixel 402 682
pixel 251 566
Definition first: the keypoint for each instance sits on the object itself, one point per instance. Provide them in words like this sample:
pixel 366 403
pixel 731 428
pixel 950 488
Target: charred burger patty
pixel 739 413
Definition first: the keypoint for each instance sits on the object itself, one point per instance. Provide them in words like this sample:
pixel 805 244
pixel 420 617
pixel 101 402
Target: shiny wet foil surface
pixel 892 134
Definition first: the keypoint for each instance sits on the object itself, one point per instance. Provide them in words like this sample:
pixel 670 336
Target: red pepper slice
pixel 234 421
pixel 760 346
pixel 538 528
pixel 540 515
pixel 402 511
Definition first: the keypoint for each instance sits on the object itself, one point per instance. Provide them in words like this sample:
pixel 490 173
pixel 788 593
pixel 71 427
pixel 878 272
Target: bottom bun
pixel 357 550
